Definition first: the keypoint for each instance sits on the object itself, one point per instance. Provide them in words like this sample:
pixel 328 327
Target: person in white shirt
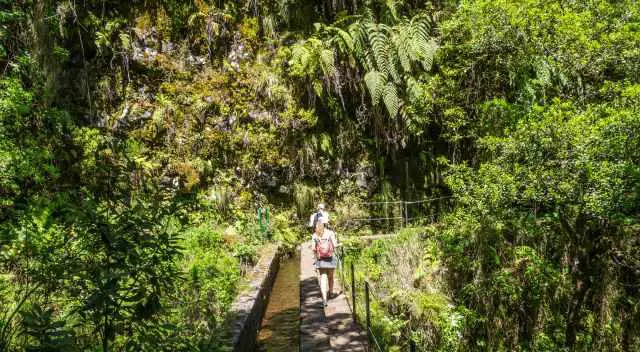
pixel 319 215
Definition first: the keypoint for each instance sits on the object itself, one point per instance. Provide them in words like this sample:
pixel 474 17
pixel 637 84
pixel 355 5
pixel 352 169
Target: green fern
pixel 379 45
pixel 317 87
pixel 375 82
pixel 387 54
pixel 392 8
pixel 338 37
pixel 359 38
pixel 391 100
pixel 299 61
pixel 327 62
pixel 315 60
pixel 402 46
pixel 413 43
pixel 394 68
pixel 346 40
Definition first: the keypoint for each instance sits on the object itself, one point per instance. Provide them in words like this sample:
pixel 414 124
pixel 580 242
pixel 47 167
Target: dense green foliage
pixel 138 139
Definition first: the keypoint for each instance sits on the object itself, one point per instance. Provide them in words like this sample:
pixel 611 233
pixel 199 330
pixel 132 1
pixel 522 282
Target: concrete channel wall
pixel 248 308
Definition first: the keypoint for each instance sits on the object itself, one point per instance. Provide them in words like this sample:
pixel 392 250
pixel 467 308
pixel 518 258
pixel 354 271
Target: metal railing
pixel 372 339
pixel 395 214
pixel 406 216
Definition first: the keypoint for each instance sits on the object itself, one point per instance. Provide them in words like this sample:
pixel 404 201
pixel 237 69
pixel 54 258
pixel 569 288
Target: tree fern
pixel 388 55
pixel 361 48
pixel 413 44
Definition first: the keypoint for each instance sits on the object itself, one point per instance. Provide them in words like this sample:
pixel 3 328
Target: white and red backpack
pixel 325 248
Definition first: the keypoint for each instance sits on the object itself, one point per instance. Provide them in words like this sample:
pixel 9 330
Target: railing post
pixel 368 310
pixel 413 345
pixel 353 293
pixel 406 214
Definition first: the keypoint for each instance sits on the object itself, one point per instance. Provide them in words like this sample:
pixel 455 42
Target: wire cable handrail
pixel 377 219
pixel 403 201
pixel 404 215
pixel 381 202
pixel 425 200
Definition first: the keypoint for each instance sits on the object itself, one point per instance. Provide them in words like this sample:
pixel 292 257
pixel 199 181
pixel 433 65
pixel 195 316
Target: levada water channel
pixel 280 329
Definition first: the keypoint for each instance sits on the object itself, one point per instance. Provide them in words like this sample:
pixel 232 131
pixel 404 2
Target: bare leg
pixel 330 278
pixel 324 283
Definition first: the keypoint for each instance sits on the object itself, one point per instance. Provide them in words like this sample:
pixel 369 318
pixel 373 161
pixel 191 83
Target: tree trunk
pixel 105 338
pixel 573 316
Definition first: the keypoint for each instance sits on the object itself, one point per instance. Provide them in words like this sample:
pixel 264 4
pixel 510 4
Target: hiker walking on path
pixel 324 244
pixel 315 218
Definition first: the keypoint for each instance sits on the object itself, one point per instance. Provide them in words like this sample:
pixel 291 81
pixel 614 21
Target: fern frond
pixel 299 58
pixel 358 37
pixel 315 43
pixel 391 100
pixel 317 87
pixel 327 62
pixel 393 62
pixel 402 47
pixel 375 82
pixel 422 46
pixel 420 26
pixel 392 8
pixel 346 42
pixel 379 46
pixel 429 54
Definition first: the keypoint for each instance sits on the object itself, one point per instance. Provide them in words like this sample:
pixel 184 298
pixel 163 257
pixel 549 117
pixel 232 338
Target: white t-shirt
pixel 328 235
pixel 323 215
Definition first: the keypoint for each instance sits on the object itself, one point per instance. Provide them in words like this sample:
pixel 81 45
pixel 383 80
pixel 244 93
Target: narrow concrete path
pixel 330 328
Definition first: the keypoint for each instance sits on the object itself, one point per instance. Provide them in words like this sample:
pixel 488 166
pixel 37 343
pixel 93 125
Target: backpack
pixel 325 248
pixel 316 217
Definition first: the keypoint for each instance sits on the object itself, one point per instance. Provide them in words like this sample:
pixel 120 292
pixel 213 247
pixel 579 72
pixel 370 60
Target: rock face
pixel 148 45
pixel 237 54
pixel 248 308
